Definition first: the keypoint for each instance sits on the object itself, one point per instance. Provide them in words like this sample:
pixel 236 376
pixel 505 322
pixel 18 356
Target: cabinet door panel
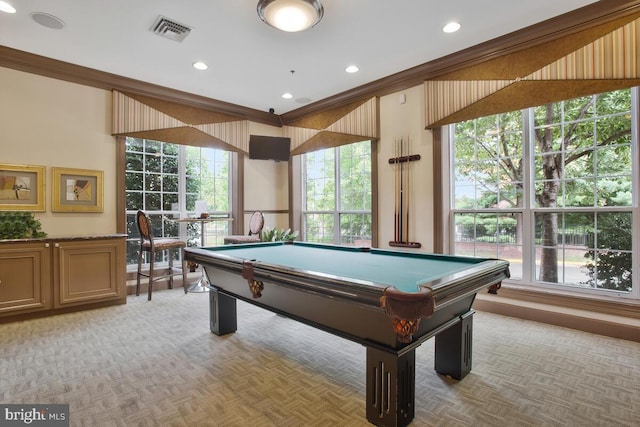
pixel 87 272
pixel 24 278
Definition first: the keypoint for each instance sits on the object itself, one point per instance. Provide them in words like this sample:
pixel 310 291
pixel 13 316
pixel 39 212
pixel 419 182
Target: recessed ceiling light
pixel 451 27
pixel 352 69
pixel 287 95
pixel 6 7
pixel 48 21
pixel 200 65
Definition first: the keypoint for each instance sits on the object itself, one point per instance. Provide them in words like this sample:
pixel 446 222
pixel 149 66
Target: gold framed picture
pixel 22 188
pixel 77 190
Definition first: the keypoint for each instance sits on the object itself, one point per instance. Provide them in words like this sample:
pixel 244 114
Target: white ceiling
pixel 249 62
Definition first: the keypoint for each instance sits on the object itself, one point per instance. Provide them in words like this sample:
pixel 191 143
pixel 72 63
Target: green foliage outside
pixel 609 267
pixel 352 199
pixel 152 183
pixel 582 159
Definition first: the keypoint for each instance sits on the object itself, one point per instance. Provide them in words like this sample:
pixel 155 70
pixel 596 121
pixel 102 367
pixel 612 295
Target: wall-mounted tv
pixel 269 148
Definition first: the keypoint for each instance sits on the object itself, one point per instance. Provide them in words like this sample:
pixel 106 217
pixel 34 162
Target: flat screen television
pixel 269 148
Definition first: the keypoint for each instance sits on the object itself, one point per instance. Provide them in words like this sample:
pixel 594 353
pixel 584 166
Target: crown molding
pixel 543 32
pixel 41 65
pixel 546 31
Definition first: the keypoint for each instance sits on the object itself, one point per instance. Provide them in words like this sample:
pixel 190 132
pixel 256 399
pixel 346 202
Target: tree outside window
pixel 560 192
pixel 165 180
pixel 337 190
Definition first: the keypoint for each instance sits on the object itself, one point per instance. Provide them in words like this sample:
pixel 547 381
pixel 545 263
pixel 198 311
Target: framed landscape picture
pixel 22 188
pixel 77 190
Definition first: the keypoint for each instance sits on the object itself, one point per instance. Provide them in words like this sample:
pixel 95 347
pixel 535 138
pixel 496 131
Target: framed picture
pixel 22 188
pixel 77 190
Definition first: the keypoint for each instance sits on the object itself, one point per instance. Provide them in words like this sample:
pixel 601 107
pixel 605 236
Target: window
pixel 550 189
pixel 337 195
pixel 165 180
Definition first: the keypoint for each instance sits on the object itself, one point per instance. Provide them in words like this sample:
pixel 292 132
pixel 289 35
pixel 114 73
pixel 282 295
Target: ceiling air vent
pixel 170 29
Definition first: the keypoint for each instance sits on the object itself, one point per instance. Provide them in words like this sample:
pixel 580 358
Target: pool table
pixel 389 301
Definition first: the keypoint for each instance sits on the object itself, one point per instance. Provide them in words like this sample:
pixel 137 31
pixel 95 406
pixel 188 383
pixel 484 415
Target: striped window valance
pixel 602 63
pixel 151 118
pixel 344 125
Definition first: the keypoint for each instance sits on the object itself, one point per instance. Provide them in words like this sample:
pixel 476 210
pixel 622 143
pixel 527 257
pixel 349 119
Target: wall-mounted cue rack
pixel 401 163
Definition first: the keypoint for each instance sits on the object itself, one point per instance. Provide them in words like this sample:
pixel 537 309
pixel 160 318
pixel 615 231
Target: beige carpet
pixel 156 364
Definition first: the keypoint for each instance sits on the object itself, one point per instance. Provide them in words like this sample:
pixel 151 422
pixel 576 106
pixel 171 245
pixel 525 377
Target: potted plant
pixel 20 225
pixel 278 235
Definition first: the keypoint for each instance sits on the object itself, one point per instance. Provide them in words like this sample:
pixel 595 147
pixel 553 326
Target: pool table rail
pixel 455 286
pixel 361 291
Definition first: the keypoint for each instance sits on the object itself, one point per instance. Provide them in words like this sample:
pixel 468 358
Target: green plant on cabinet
pixel 20 225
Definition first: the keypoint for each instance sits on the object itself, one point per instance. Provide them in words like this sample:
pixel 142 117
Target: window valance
pixel 355 122
pixel 145 117
pixel 600 59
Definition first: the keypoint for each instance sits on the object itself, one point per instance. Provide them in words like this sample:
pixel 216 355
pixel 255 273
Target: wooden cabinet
pixel 88 271
pixel 62 274
pixel 25 277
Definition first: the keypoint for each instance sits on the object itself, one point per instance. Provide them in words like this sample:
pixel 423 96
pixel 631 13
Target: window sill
pixel 611 317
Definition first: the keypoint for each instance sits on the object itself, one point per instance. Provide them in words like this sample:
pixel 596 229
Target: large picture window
pixel 165 180
pixel 550 189
pixel 337 195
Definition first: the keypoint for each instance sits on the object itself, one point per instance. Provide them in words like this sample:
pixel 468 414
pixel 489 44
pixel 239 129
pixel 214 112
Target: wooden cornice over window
pixel 339 126
pixel 144 117
pixel 600 59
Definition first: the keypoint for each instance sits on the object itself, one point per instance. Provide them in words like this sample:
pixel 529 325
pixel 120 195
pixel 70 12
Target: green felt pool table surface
pixel 405 271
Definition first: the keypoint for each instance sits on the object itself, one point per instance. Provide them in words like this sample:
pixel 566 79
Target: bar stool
pixel 152 245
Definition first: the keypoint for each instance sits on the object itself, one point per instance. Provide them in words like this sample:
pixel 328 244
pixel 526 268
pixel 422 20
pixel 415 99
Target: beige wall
pixel 397 120
pixel 266 184
pixel 406 120
pixel 49 122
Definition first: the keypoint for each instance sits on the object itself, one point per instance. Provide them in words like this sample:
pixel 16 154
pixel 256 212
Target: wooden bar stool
pixel 152 245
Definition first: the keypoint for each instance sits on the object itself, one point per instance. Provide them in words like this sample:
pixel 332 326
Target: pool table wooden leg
pixel 454 348
pixel 222 313
pixel 390 387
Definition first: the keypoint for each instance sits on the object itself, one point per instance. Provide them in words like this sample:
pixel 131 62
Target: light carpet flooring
pixel 157 364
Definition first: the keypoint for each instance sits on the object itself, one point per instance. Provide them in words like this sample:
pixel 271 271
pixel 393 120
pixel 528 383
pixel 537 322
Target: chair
pixel 152 245
pixel 255 231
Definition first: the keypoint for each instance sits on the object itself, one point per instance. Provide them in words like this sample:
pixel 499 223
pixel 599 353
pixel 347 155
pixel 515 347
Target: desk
pixel 202 285
pixel 389 301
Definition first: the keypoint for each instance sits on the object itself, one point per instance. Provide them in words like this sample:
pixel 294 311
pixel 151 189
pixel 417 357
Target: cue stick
pixel 396 187
pixel 400 224
pixel 405 204
pixel 408 185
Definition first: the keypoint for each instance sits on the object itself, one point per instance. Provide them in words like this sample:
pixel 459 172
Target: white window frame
pixel 529 210
pixel 182 211
pixel 337 211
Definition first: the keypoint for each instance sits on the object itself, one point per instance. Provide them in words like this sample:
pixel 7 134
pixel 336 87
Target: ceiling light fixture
pixel 290 15
pixel 352 69
pixel 6 7
pixel 287 95
pixel 200 66
pixel 451 27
